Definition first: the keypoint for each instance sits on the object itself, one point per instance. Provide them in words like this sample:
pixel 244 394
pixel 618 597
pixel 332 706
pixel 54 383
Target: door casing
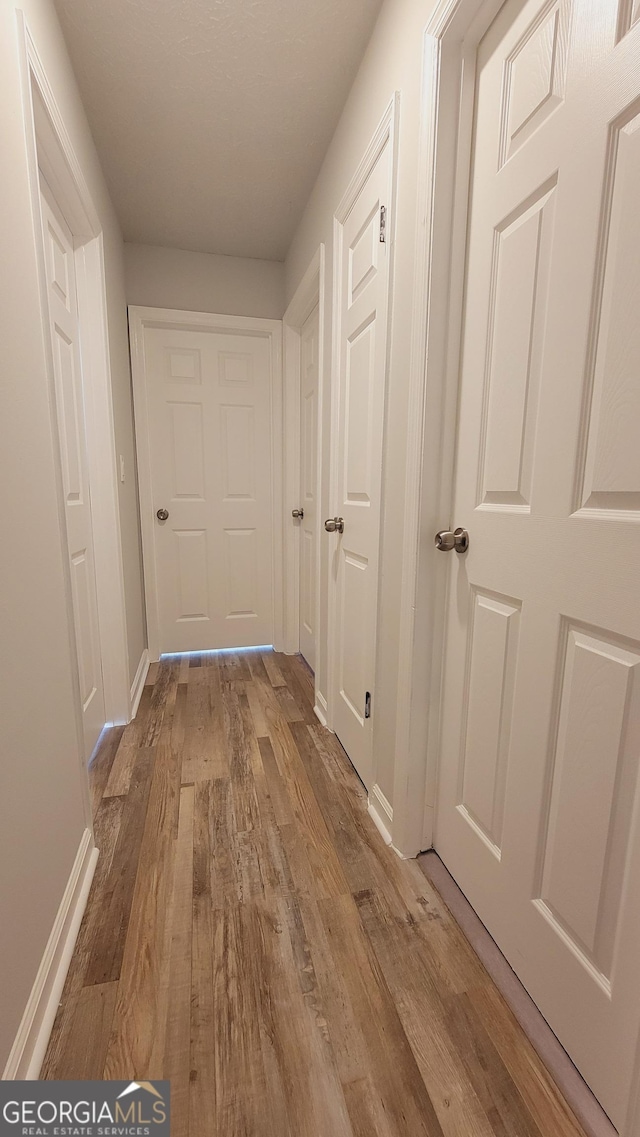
pixel 450 44
pixel 139 318
pixel 448 82
pixel 309 293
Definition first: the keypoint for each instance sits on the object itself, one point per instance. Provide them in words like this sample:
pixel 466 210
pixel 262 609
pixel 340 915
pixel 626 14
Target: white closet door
pixel 539 808
pixel 208 396
pixel 308 488
pixel 65 333
pixel 362 331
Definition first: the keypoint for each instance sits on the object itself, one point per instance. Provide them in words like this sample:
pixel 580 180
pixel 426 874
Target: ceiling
pixel 212 117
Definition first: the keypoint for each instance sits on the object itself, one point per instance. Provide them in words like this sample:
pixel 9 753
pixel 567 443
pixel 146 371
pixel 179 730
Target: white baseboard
pixel 320 708
pixel 320 715
pixel 381 813
pixel 137 687
pixel 28 1051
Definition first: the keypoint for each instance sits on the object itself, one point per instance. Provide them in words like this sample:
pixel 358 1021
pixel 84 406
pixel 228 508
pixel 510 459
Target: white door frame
pixel 139 319
pixel 448 79
pixel 386 133
pixel 50 150
pixel 309 293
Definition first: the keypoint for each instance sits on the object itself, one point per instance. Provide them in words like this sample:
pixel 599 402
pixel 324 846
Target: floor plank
pixel 101 763
pixel 137 1038
pixel 177 1035
pixel 250 937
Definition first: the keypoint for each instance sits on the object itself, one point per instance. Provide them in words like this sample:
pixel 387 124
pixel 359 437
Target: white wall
pixel 393 61
pixel 42 782
pixel 203 282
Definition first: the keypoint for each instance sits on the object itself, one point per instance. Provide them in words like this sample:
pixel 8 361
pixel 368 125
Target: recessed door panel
pixel 488 699
pixel 192 572
pixel 534 76
pixel 354 615
pixel 242 571
pixel 183 365
pixel 309 436
pixel 628 16
pixel 612 471
pixel 81 591
pixel 236 367
pixel 359 378
pixel 188 450
pixel 516 324
pixel 58 263
pixel 238 450
pixel 593 777
pixel 363 255
pixel 69 417
pixel 307 572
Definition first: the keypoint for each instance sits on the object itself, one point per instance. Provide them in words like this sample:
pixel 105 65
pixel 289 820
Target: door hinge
pixel 367 704
pixel 383 223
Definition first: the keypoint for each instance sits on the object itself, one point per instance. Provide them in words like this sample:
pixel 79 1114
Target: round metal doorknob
pixel 162 514
pixel 445 540
pixel 334 525
pixel 297 513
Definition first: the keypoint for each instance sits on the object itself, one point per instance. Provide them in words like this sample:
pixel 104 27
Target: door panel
pixel 611 478
pixel 538 802
pixel 362 332
pixel 519 273
pixel 70 413
pixel 309 379
pixel 209 406
pixel 492 655
pixel 598 729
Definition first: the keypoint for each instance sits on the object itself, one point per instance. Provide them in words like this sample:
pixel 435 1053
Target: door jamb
pixel 309 293
pixel 448 81
pixel 139 318
pixel 49 149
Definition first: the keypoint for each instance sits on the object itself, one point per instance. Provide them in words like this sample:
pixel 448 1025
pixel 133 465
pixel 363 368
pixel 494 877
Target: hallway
pixel 249 936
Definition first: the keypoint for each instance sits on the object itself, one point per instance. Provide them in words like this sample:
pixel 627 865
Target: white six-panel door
pixel 362 344
pixel 207 456
pixel 539 810
pixel 70 412
pixel 309 350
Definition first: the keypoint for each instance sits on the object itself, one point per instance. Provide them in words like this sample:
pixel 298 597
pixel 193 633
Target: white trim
pixel 320 708
pixel 103 477
pixel 385 133
pixel 49 149
pixel 381 813
pixel 137 687
pixel 29 1047
pixel 449 45
pixel 310 291
pixel 139 318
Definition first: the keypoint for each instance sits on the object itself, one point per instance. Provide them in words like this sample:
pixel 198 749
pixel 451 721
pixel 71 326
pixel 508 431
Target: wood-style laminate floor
pixel 250 937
